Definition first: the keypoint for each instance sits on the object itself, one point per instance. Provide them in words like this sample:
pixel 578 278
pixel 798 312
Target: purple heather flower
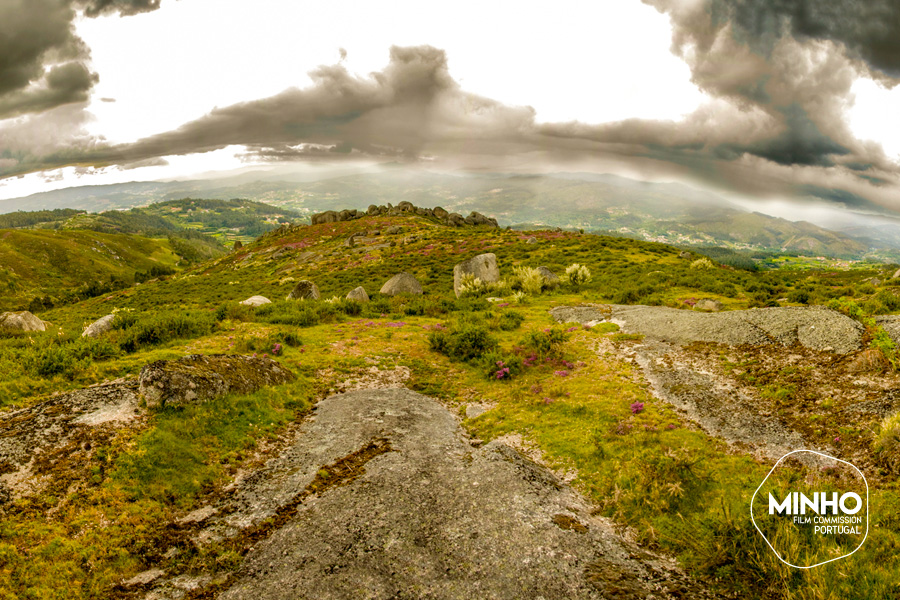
pixel 561 373
pixel 671 426
pixel 637 407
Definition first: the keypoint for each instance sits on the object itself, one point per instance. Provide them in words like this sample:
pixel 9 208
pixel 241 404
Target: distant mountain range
pixel 664 212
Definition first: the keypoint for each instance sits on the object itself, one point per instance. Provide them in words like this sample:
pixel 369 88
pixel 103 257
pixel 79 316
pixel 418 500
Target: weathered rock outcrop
pixel 21 321
pixel 358 294
pixel 99 327
pixel 550 278
pixel 256 301
pixel 237 245
pixel 814 327
pixel 410 509
pixel 304 290
pixel 329 216
pixel 483 266
pixel 200 378
pixel 405 207
pixel 708 305
pixel 401 283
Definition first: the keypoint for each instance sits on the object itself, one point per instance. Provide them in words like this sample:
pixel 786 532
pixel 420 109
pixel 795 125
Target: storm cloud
pixel 43 63
pixel 777 75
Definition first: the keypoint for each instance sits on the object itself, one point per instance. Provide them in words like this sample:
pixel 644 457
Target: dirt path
pixel 389 499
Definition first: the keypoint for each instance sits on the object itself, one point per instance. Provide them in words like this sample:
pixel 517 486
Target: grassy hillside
pixel 678 489
pixel 225 220
pixel 665 212
pixel 64 266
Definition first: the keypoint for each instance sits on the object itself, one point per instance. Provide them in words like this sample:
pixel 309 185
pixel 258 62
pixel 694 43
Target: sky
pixel 784 105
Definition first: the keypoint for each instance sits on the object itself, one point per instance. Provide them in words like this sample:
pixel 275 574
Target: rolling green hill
pixel 556 385
pixel 63 266
pixel 665 212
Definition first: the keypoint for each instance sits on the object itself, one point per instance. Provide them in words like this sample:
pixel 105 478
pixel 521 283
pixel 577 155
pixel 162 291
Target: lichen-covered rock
pixel 708 304
pixel 237 245
pixel 483 266
pixel 439 212
pixel 550 278
pixel 476 218
pixel 393 230
pixel 401 283
pixel 200 378
pixel 304 290
pixel 14 322
pixel 406 206
pixel 358 294
pixel 329 216
pixel 99 327
pixel 455 220
pixel 531 240
pixel 256 301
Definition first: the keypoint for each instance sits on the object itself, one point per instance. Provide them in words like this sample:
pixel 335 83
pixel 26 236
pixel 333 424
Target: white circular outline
pixel 766 478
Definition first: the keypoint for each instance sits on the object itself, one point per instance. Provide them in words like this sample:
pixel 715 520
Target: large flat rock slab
pixel 423 514
pixel 814 327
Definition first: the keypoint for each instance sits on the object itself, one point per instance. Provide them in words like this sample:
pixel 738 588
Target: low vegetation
pixel 678 489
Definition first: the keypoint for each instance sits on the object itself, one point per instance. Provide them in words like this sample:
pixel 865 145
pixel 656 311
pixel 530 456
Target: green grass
pixel 680 490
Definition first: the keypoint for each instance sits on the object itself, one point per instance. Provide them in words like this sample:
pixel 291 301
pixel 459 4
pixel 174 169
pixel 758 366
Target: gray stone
pixel 256 301
pixel 708 305
pixel 550 278
pixel 405 206
pixel 329 216
pixel 21 321
pixel 237 245
pixel 439 212
pixel 531 240
pixel 99 327
pixel 814 327
pixel 304 290
pixel 402 283
pixel 199 378
pixel 427 515
pixel 476 218
pixel 393 230
pixel 143 578
pixel 455 220
pixel 358 294
pixel 483 266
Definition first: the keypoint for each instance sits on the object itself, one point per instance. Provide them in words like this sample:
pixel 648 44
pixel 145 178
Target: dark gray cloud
pixel 43 63
pixel 869 29
pixel 778 82
pixel 93 8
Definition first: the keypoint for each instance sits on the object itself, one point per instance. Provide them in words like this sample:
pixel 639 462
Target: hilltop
pixel 575 409
pixel 664 212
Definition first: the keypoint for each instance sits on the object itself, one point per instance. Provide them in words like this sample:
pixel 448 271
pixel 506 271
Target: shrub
pixel 702 264
pixel 545 343
pixel 497 365
pixel 887 442
pixel 527 280
pixel 52 359
pixel 162 327
pixel 511 320
pixel 577 274
pixel 465 340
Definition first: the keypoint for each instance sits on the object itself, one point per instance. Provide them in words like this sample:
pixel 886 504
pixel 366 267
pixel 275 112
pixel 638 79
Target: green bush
pixel 545 343
pixel 158 328
pixel 511 320
pixel 466 340
pixel 497 365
